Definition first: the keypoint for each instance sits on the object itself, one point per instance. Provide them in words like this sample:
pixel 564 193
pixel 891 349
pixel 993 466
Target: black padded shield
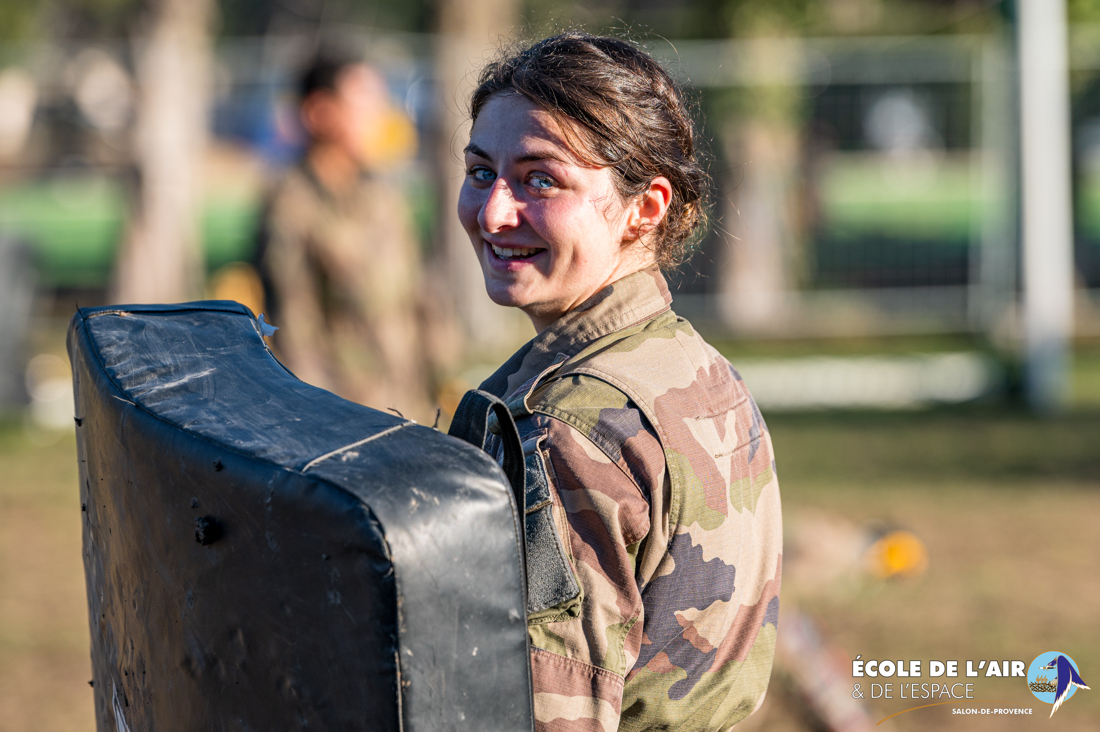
pixel 263 555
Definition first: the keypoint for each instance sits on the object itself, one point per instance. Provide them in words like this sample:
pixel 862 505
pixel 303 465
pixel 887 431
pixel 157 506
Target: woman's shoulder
pixel 585 408
pixel 633 392
pixel 667 368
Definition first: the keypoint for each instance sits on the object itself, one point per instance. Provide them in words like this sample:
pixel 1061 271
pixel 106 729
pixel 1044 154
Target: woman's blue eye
pixel 542 181
pixel 481 174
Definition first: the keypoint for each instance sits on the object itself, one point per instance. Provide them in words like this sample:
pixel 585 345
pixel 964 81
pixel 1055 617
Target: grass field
pixel 1006 504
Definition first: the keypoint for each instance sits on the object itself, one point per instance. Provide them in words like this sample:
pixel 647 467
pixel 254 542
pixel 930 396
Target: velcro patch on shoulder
pixel 550 580
pixel 538 485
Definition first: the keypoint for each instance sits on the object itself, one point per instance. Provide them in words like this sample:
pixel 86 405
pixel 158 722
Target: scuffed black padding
pixel 263 555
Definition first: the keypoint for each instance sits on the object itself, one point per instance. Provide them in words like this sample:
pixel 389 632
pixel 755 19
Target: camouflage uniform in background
pixel 341 273
pixel 653 520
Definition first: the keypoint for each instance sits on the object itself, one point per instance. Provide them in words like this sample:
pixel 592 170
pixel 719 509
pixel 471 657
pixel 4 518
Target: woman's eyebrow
pixel 473 149
pixel 536 157
pixel 533 157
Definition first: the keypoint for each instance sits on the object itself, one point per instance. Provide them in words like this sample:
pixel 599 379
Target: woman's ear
pixel 648 209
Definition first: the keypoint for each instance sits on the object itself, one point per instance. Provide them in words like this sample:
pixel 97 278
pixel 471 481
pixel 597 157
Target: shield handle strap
pixel 471 423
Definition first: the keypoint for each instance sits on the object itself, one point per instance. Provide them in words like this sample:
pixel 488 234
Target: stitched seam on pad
pixel 339 450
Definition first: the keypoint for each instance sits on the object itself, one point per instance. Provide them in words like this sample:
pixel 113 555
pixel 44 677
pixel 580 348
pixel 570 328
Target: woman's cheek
pixel 552 221
pixel 468 206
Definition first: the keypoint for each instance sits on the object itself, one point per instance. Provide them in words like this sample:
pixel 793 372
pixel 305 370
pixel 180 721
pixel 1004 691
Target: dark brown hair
pixel 618 108
pixel 323 72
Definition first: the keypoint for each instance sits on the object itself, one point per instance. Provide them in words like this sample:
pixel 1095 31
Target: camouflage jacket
pixel 653 521
pixel 341 271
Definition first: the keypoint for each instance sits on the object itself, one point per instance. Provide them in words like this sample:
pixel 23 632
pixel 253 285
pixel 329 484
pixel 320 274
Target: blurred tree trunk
pixel 469 33
pixel 765 148
pixel 759 279
pixel 161 256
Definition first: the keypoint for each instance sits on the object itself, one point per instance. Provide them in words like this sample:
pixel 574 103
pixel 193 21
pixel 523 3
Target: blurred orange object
pixel 392 139
pixel 897 554
pixel 237 281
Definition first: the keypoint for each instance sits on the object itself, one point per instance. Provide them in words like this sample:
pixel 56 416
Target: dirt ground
pixel 44 662
pixel 1006 505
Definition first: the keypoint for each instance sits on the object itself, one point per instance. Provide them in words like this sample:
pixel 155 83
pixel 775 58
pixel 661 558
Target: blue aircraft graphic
pixel 1067 677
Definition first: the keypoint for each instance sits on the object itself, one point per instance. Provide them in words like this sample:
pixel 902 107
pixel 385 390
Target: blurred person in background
pixel 337 252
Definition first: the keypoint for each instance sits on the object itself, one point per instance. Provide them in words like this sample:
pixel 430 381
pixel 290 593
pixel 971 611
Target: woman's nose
pixel 500 210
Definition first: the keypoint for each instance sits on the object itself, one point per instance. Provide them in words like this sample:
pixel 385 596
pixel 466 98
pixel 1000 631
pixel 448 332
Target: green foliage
pixel 21 20
pixel 74 224
pixel 770 17
pixel 715 19
pixel 101 8
pixel 24 20
pixel 1084 11
pixel 257 17
pixel 17 20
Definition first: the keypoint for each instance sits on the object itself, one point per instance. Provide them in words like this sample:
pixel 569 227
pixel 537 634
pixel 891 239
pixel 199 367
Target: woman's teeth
pixel 517 253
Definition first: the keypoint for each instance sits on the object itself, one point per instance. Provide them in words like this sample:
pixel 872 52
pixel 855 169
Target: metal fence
pixel 897 185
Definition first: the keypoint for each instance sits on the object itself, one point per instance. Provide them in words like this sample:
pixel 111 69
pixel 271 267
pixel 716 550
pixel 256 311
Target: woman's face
pixel 548 230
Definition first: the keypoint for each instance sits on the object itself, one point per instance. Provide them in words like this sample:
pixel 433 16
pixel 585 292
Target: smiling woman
pixel 550 230
pixel 650 480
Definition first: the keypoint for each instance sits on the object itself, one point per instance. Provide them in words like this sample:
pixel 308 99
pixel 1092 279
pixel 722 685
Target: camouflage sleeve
pixel 710 587
pixel 676 622
pixel 580 656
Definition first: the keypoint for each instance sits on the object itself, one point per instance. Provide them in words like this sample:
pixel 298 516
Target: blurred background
pixel 903 261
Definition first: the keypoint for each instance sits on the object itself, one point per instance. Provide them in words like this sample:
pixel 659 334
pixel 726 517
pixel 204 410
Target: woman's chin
pixel 508 295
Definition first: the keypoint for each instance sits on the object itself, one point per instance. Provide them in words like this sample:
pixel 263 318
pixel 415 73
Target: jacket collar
pixel 634 299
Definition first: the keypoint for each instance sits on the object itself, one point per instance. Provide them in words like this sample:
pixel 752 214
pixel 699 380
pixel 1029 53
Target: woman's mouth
pixel 514 253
